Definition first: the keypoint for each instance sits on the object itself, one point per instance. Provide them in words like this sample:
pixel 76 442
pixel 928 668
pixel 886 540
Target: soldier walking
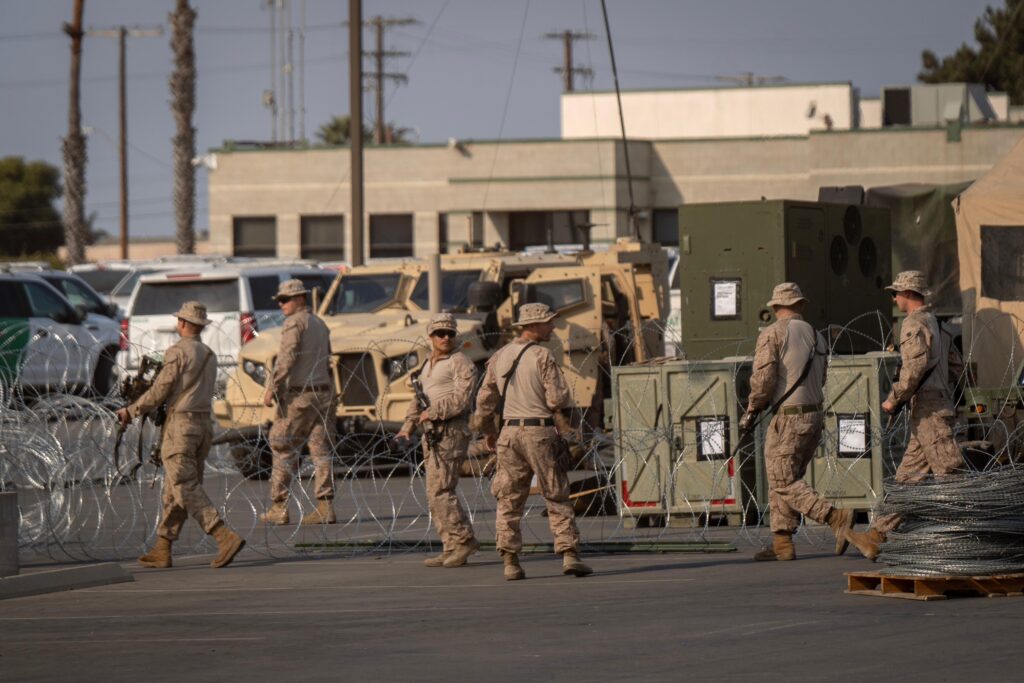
pixel 186 384
pixel 923 386
pixel 444 384
pixel 518 407
pixel 304 391
pixel 788 376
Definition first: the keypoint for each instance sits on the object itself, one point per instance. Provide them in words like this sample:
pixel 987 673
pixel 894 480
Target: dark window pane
pixel 558 295
pixel 12 301
pixel 1002 262
pixel 165 298
pixel 128 284
pixel 666 227
pixel 311 280
pixel 45 303
pixel 442 233
pixel 77 294
pixel 263 289
pixel 323 238
pixel 364 293
pixel 454 289
pixel 255 236
pixel 391 235
pixel 103 281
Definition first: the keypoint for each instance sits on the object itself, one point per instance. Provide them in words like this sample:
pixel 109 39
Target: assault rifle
pixel 132 388
pixel 431 434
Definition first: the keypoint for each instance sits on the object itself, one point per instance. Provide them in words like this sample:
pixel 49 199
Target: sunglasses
pixel 446 334
pixel 283 301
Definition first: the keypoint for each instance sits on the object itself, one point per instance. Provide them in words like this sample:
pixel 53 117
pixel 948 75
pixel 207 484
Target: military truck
pixel 612 305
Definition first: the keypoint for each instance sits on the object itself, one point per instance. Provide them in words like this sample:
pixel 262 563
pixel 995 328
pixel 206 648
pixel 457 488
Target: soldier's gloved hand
pixel 747 422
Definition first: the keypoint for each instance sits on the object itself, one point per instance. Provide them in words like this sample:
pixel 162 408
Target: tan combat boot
pixel 513 572
pixel 323 514
pixel 437 560
pixel 782 548
pixel 867 542
pixel 572 566
pixel 841 521
pixel 159 556
pixel 228 545
pixel 458 557
pixel 277 514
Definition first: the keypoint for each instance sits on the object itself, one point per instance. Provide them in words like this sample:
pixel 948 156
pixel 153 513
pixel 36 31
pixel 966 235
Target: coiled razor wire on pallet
pixel 964 524
pixel 56 451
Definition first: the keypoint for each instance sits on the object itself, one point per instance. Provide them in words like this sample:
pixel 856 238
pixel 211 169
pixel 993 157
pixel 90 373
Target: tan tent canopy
pixel 990 235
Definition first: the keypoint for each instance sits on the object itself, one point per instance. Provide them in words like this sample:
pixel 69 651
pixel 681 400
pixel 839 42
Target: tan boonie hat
pixel 193 312
pixel 530 314
pixel 910 281
pixel 290 288
pixel 442 321
pixel 786 294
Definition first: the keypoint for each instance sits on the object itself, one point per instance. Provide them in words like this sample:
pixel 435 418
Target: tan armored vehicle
pixel 612 306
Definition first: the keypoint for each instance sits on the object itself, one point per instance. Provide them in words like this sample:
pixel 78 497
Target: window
pixel 165 298
pixel 323 238
pixel 264 289
pixel 666 227
pixel 364 293
pixel 454 289
pixel 558 295
pixel 1002 262
pixel 442 233
pixel 77 294
pixel 12 301
pixel 46 303
pixel 128 283
pixel 312 281
pixel 103 281
pixel 391 235
pixel 256 236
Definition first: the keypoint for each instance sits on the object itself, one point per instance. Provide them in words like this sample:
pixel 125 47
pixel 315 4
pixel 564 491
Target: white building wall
pixel 710 113
pixel 870 113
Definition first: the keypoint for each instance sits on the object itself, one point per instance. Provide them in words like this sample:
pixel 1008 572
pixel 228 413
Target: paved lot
pixel 675 617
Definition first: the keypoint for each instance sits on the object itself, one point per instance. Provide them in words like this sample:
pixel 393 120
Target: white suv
pixel 46 343
pixel 239 302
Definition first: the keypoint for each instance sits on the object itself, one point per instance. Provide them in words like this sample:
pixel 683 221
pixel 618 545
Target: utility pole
pixel 355 117
pixel 568 70
pixel 381 133
pixel 750 79
pixel 73 148
pixel 122 33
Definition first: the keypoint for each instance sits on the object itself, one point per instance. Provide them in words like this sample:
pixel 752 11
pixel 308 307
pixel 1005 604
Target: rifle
pixel 431 434
pixel 132 388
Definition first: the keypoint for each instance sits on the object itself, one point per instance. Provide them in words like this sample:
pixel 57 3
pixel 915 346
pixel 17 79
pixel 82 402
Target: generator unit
pixel 679 456
pixel 732 254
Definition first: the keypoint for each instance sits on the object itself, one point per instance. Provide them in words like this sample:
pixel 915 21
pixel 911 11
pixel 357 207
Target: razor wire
pixel 57 436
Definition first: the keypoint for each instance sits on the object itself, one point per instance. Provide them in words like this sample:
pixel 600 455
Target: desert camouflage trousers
pixel 305 416
pixel 523 452
pixel 932 448
pixel 788 450
pixel 442 463
pixel 184 448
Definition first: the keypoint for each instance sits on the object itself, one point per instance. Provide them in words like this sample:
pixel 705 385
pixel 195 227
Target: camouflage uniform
pixel 932 449
pixel 304 389
pixel 538 391
pixel 795 430
pixel 190 365
pixel 448 385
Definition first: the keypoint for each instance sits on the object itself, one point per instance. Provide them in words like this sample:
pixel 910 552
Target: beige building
pixel 422 198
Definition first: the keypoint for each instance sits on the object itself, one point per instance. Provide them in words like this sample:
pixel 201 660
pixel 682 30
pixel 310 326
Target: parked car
pixel 238 298
pixel 48 343
pixel 103 276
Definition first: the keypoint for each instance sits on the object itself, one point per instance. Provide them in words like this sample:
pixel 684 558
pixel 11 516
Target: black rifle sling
pixel 508 380
pixel 803 376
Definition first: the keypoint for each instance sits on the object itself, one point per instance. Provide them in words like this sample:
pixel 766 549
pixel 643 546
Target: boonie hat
pixel 442 321
pixel 910 281
pixel 530 314
pixel 290 288
pixel 193 312
pixel 786 294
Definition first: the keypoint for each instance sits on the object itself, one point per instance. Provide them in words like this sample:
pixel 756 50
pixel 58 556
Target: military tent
pixel 990 237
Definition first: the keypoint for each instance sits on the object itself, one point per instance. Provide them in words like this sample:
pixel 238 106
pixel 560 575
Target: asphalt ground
pixel 670 617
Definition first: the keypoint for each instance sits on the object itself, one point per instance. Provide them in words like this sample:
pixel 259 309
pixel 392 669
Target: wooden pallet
pixel 933 587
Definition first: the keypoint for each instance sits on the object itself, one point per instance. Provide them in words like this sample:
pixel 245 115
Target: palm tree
pixel 183 102
pixel 336 132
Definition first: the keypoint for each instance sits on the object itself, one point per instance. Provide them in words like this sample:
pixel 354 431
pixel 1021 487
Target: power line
pixel 381 132
pixel 568 70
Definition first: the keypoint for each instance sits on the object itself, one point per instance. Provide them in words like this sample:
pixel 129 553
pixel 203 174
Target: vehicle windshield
pixel 103 281
pixel 364 293
pixel 165 298
pixel 78 294
pixel 454 289
pixel 128 283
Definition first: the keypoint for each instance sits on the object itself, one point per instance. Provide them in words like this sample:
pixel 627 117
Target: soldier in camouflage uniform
pixel 447 380
pixel 185 383
pixel 784 350
pixel 304 391
pixel 533 400
pixel 922 386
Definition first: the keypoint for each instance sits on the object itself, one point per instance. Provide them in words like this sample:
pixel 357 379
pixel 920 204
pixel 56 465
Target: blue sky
pixel 478 69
